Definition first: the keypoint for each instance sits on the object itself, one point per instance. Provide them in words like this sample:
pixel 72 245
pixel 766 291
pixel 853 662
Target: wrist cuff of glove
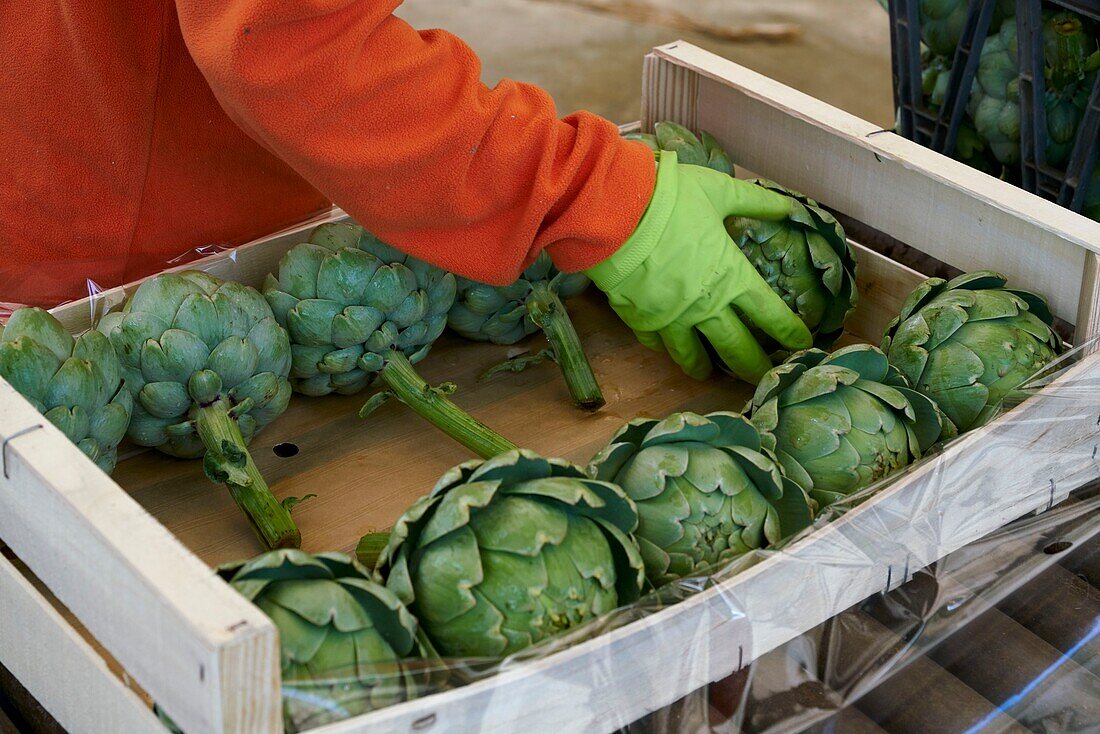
pixel 617 268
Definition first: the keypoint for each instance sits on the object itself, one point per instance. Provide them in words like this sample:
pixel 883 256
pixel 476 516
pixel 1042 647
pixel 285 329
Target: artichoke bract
pixel 706 489
pixel 505 315
pixel 838 422
pixel 966 343
pixel 806 258
pixel 510 551
pixel 75 383
pixel 346 642
pixel 207 365
pixel 356 309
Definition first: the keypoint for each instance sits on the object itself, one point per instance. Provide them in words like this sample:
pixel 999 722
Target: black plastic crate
pixel 939 129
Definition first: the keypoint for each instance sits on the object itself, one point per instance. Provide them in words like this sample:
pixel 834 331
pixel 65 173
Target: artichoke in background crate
pixel 505 315
pixel 806 259
pixel 1071 61
pixel 207 365
pixel 966 343
pixel 942 22
pixel 348 645
pixel 75 383
pixel 838 422
pixel 357 309
pixel 706 491
pixel 507 552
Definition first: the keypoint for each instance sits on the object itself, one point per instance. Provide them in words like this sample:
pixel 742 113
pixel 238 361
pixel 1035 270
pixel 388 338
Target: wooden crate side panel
pixel 179 630
pixel 59 668
pixel 883 286
pixel 976 485
pixel 248 264
pixel 938 205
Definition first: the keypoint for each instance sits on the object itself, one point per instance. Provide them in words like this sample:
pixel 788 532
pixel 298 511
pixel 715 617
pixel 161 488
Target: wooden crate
pixel 113 574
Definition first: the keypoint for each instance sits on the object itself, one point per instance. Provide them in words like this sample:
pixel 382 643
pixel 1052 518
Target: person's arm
pixel 395 126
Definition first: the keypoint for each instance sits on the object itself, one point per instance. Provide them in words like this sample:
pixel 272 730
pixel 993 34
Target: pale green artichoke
pixel 1071 63
pixel 942 22
pixel 839 422
pixel 357 309
pixel 966 343
pixel 75 383
pixel 510 551
pixel 207 365
pixel 505 315
pixel 706 491
pixel 348 645
pixel 806 259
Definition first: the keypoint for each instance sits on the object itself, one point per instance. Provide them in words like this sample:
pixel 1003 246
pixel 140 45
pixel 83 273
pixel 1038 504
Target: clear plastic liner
pixel 1002 634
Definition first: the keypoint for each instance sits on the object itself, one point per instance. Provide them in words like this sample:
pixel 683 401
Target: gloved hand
pixel 680 273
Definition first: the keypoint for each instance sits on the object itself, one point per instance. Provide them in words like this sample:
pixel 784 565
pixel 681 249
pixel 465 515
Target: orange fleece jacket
pixel 135 131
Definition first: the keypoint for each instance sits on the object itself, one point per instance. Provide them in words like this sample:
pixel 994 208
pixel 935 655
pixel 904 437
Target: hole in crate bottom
pixel 285 449
pixel 1057 547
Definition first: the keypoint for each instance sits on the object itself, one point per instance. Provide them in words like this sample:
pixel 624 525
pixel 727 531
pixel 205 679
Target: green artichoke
pixel 207 365
pixel 806 259
pixel 966 343
pixel 345 640
pixel 507 552
pixel 838 422
pixel 942 22
pixel 357 309
pixel 75 383
pixel 1071 62
pixel 505 315
pixel 706 491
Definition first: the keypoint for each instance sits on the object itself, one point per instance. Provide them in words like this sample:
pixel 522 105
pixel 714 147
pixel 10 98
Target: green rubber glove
pixel 680 274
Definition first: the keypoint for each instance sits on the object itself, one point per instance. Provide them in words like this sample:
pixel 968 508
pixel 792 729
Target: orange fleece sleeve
pixel 395 126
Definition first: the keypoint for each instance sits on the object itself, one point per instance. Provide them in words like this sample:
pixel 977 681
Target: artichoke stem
pixel 548 312
pixel 228 460
pixel 432 405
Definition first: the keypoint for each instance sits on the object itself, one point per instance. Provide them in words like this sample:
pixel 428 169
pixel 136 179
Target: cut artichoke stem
pixel 432 405
pixel 548 312
pixel 227 460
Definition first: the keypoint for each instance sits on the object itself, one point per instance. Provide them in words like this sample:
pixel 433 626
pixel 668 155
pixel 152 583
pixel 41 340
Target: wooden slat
pixel 1088 307
pixel 208 656
pixel 939 206
pixel 247 264
pixel 55 664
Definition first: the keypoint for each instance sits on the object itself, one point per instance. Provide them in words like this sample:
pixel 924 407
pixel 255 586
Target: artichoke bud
pixel 75 383
pixel 506 552
pixel 706 491
pixel 204 386
pixel 969 342
pixel 336 235
pixel 838 422
pixel 344 639
pixel 806 259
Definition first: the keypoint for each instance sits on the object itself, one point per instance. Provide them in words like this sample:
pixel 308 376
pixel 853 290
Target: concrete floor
pixel 592 60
